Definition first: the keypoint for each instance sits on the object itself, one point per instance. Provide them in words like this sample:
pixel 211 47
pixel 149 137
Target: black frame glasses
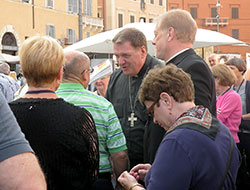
pixel 150 110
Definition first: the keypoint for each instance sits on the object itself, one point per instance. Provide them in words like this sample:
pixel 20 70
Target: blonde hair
pixel 224 74
pixel 41 58
pixel 182 22
pixel 169 79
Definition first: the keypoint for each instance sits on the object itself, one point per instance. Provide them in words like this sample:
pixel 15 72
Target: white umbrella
pixel 102 42
pixel 205 38
pixel 8 58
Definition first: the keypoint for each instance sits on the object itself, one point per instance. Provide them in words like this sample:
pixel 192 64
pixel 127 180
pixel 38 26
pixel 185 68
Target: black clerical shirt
pixel 123 94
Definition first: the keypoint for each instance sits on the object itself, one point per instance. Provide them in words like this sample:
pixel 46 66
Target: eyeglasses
pixel 91 70
pixel 150 110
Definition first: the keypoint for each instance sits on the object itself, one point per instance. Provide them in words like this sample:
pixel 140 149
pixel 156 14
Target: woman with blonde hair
pixel 63 136
pixel 197 152
pixel 228 102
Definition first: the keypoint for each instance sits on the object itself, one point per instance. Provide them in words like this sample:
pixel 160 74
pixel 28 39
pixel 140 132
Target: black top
pixel 201 76
pixel 118 93
pixel 64 139
pixel 245 124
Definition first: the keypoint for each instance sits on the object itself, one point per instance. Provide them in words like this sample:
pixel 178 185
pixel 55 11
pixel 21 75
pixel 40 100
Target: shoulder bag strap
pixel 229 159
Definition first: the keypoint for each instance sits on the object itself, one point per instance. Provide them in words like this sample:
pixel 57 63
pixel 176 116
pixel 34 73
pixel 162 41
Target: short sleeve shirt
pixel 12 140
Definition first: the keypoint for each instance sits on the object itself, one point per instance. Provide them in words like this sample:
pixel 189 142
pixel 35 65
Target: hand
pixel 140 171
pixel 126 180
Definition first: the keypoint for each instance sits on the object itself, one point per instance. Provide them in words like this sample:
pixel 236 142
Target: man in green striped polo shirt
pixel 112 142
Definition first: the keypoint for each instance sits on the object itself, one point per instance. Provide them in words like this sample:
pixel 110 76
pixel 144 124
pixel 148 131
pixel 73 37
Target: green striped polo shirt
pixel 110 135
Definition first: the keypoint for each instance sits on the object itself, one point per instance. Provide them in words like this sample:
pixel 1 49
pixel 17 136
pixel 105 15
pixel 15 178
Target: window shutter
pixel 70 6
pixel 73 36
pixel 47 29
pixel 235 13
pixel 53 32
pixel 213 12
pixel 75 6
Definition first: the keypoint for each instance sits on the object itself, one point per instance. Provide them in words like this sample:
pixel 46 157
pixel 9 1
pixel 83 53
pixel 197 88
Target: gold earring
pixel 170 111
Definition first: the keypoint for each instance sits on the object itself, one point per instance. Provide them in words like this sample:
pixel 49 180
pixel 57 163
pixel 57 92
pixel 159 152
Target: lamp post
pixel 218 5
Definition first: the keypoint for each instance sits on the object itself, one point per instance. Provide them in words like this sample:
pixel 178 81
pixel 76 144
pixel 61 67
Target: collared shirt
pixel 8 86
pixel 110 135
pixel 178 53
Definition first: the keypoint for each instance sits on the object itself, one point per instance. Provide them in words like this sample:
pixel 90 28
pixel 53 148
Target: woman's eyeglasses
pixel 150 110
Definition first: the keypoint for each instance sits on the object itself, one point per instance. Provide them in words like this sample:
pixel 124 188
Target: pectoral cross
pixel 132 119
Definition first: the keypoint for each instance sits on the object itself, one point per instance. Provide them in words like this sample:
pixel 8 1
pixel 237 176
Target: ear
pixel 171 33
pixel 167 99
pixel 85 79
pixel 143 51
pixel 58 79
pixel 60 75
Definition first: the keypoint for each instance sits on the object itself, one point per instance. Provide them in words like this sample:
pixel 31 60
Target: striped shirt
pixel 110 134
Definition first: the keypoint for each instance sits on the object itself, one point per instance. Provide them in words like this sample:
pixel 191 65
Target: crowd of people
pixel 178 124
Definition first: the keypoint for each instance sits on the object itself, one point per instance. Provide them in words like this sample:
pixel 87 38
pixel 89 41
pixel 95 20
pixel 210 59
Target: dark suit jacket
pixel 202 78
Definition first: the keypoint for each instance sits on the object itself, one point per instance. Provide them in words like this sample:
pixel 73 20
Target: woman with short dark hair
pixel 195 151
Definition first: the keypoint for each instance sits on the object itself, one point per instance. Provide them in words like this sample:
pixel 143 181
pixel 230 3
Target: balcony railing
pixel 213 21
pixel 91 21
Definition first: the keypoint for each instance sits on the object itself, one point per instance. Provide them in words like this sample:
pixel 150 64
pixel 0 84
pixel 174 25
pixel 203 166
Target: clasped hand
pixel 136 173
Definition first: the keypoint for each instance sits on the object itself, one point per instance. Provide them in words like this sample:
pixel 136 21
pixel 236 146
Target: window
pixel 160 2
pixel 213 12
pixel 87 34
pixel 132 18
pixel 49 3
pixel 235 33
pixel 142 4
pixel 120 20
pixel 72 6
pixel 87 7
pixel 71 35
pixel 193 12
pixel 25 1
pixel 50 30
pixel 235 13
pixel 142 19
pixel 152 1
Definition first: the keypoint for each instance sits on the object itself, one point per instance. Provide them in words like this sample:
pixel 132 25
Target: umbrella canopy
pixel 8 58
pixel 102 42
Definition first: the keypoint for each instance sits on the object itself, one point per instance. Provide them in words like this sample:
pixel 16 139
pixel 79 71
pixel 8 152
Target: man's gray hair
pixel 4 68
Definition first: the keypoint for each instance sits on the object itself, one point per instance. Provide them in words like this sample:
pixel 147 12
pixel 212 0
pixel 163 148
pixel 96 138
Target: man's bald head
pixel 76 62
pixel 76 68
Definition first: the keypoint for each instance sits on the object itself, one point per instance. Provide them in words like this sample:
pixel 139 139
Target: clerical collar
pixel 144 68
pixel 178 53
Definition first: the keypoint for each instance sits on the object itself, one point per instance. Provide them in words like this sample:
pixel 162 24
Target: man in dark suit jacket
pixel 174 36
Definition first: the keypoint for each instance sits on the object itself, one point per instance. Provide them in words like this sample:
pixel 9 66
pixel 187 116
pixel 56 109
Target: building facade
pixel 117 13
pixel 20 19
pixel 230 17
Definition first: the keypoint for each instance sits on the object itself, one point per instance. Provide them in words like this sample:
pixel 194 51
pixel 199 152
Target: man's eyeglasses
pixel 91 70
pixel 150 110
